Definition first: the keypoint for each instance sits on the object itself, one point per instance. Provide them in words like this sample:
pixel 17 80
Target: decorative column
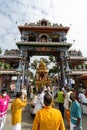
pixel 67 71
pixel 19 71
pixel 23 73
pixel 18 84
pixel 58 67
pixel 24 55
pixel 62 71
pixel 27 69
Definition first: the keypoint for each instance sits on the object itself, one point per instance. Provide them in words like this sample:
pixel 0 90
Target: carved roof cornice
pixel 42 25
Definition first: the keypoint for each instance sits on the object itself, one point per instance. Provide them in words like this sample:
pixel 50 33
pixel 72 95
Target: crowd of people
pixel 48 118
pixel 68 104
pixel 16 108
pixel 71 106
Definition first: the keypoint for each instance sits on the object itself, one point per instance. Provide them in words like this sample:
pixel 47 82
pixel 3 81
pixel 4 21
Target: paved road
pixel 27 120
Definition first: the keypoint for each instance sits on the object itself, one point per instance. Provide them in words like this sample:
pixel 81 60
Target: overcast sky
pixel 72 13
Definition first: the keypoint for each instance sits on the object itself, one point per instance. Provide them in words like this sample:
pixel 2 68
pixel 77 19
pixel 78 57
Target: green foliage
pixel 0 50
pixel 52 59
pixel 53 70
pixel 32 77
pixel 7 66
pixel 0 63
pixel 48 61
pixel 85 65
pixel 34 64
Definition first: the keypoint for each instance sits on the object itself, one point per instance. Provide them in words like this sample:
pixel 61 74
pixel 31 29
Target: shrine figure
pixel 42 75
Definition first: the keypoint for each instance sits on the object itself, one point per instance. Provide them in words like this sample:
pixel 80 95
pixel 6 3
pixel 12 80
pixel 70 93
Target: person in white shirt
pixel 67 103
pixel 31 91
pixel 82 97
pixel 83 100
pixel 24 92
pixel 39 100
pixel 46 88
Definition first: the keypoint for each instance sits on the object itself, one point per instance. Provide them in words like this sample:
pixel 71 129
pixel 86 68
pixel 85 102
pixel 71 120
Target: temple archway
pixel 45 46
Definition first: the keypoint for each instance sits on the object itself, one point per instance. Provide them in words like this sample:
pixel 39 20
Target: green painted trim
pixel 43 44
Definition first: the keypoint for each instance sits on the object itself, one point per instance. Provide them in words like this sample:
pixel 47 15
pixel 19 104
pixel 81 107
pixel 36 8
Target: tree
pixel 0 50
pixel 51 59
pixel 47 62
pixel 31 75
pixel 34 64
pixel 53 70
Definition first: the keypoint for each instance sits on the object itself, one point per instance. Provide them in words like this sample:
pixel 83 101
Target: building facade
pixel 46 39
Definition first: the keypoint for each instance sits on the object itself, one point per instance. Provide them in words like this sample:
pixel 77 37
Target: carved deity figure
pixel 42 75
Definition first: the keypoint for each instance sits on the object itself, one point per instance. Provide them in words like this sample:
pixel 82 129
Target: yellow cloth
pixel 16 109
pixel 48 118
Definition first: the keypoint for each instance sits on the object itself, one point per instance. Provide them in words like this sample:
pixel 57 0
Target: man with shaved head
pixel 48 118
